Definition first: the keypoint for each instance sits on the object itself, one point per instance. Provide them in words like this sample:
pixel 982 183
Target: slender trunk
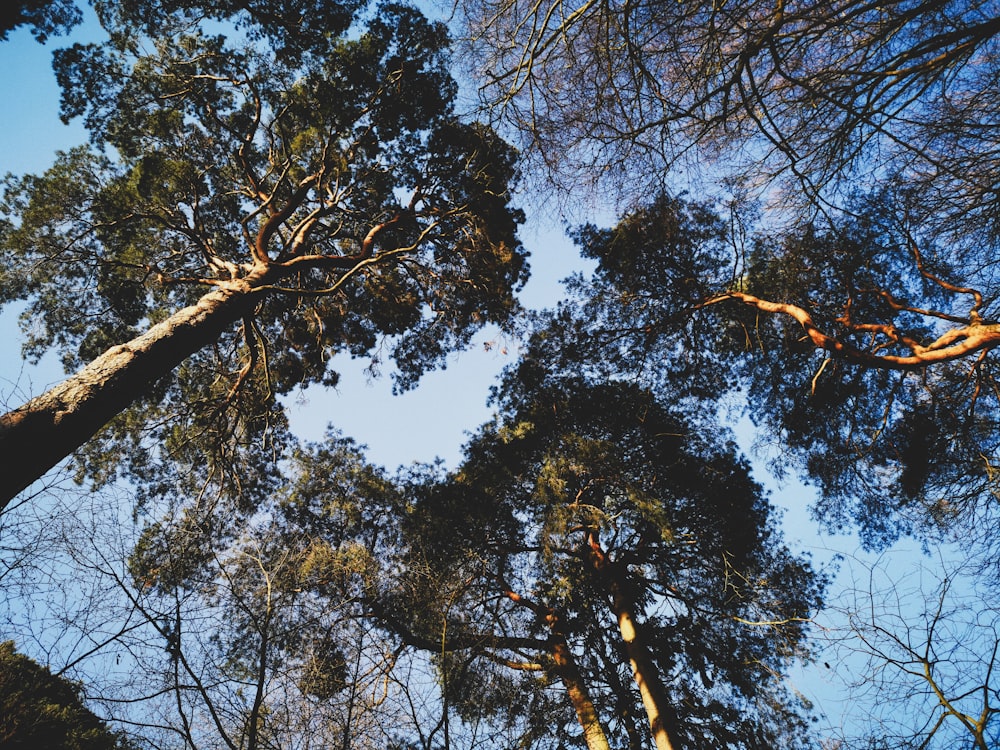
pixel 565 668
pixel 568 672
pixel 647 676
pixel 42 432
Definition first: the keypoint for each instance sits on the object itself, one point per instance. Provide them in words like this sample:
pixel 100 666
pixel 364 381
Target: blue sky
pixel 427 423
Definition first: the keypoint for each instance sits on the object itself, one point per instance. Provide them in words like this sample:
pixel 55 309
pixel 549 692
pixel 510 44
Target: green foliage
pixel 640 313
pixel 45 17
pixel 41 710
pixel 310 160
pixel 295 28
pixel 691 540
pixel 886 448
pixel 892 451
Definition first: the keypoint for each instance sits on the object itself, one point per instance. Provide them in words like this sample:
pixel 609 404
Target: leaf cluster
pixel 40 709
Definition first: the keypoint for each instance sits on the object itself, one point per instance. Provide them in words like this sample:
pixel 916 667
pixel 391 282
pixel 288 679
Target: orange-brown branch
pixel 565 667
pixel 279 217
pixel 954 344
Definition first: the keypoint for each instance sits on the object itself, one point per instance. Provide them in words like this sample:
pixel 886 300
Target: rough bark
pixel 49 427
pixel 644 671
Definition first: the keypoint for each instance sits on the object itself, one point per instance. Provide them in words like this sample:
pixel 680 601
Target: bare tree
pixel 815 90
pixel 919 652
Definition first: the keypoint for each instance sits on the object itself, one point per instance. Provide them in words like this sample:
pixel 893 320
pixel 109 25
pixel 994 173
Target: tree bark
pixel 644 671
pixel 565 668
pixel 49 427
pixel 576 688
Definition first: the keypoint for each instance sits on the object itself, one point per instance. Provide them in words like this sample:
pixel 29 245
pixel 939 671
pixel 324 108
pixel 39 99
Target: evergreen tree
pixel 839 378
pixel 617 532
pixel 251 203
pixel 41 710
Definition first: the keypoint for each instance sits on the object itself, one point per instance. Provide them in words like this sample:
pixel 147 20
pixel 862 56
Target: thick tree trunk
pixel 36 436
pixel 645 673
pixel 647 677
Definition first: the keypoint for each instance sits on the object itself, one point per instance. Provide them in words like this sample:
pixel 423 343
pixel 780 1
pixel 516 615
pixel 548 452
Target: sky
pixel 432 421
pixel 418 426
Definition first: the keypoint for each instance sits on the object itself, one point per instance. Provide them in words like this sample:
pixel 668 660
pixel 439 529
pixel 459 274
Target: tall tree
pixel 678 300
pixel 498 648
pixel 593 517
pixel 865 127
pixel 274 197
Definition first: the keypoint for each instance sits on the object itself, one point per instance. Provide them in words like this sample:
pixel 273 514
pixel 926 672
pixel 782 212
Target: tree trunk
pixel 49 427
pixel 567 671
pixel 647 677
pixel 565 668
pixel 645 673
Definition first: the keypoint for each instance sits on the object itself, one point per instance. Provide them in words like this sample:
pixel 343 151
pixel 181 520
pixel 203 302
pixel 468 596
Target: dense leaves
pixel 44 17
pixel 40 709
pixel 301 205
pixel 588 499
pixel 267 187
pixel 676 302
pixel 865 131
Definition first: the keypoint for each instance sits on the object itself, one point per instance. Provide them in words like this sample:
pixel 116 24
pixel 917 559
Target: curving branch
pixel 279 217
pixel 954 344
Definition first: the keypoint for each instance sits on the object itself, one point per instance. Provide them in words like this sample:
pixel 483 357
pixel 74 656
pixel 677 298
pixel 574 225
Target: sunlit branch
pixel 952 345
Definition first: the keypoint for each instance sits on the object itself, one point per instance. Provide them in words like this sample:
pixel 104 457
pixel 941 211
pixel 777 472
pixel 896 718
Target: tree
pixel 864 127
pixel 40 709
pixel 242 629
pixel 826 93
pixel 271 201
pixel 923 643
pixel 611 530
pixel 497 650
pixel 258 615
pixel 253 627
pixel 893 449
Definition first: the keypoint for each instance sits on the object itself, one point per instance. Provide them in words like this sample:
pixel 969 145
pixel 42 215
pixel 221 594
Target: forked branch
pixel 956 343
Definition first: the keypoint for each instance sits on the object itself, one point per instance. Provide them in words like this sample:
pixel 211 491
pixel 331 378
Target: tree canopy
pixel 595 516
pixel 852 147
pixel 265 188
pixel 248 207
pixel 599 570
pixel 40 709
pixel 44 17
pixel 826 93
